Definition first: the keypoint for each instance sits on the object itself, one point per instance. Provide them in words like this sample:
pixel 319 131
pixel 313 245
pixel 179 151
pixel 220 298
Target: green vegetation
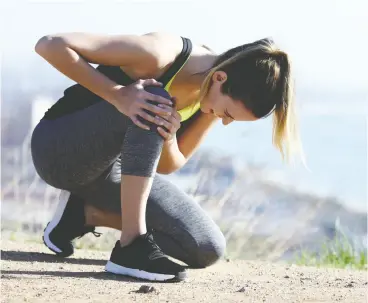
pixel 338 252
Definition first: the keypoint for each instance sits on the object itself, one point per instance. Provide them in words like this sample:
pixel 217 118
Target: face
pixel 223 106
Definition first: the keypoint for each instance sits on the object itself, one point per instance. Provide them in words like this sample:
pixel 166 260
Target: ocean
pixel 334 138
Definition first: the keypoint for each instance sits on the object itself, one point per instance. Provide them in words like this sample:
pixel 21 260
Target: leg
pixel 139 161
pixel 76 149
pixel 79 159
pixel 181 227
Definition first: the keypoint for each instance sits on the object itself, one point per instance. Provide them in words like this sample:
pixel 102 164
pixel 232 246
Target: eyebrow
pixel 227 114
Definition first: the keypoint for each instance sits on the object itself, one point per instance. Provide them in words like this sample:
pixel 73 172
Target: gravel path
pixel 29 273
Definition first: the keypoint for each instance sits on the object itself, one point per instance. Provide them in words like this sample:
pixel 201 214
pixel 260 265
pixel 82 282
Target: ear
pixel 219 76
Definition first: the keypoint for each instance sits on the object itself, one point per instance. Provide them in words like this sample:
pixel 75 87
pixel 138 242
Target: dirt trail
pixel 31 274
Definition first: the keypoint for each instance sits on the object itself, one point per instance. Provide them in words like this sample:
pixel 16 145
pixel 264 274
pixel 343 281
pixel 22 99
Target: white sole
pixel 64 197
pixel 136 273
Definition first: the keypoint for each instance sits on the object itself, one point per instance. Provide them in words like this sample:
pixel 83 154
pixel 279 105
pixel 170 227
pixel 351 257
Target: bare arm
pixel 71 53
pixel 175 154
pixel 191 138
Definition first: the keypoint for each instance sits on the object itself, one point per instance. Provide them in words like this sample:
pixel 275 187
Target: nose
pixel 226 121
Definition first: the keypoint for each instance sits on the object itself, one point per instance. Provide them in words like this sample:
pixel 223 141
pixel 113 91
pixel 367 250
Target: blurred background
pixel 266 208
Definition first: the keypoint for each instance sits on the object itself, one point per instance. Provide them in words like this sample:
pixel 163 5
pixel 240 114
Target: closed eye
pixel 227 114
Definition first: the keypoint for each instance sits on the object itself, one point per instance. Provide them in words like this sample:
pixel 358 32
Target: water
pixel 335 146
pixel 335 143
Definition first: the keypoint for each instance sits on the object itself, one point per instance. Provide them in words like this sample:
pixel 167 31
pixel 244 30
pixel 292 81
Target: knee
pixel 210 250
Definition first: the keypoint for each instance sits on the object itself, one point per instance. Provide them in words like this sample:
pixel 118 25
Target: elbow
pixel 168 170
pixel 45 44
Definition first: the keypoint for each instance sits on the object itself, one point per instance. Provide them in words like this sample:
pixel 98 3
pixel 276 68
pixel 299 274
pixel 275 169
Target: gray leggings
pixel 83 152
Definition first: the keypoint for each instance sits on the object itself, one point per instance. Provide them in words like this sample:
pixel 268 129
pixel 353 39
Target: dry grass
pixel 245 211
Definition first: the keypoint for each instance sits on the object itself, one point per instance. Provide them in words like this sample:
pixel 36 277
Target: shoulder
pixel 165 46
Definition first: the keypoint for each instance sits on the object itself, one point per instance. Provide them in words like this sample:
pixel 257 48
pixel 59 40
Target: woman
pixel 104 140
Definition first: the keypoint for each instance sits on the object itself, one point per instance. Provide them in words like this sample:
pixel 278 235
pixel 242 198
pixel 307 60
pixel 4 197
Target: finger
pixel 163 122
pixel 170 109
pixel 139 123
pixel 163 133
pixel 176 124
pixel 176 115
pixel 162 111
pixel 174 118
pixel 149 82
pixel 171 126
pixel 157 98
pixel 147 116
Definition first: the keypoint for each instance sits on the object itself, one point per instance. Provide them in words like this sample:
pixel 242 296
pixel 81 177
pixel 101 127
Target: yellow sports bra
pixel 179 63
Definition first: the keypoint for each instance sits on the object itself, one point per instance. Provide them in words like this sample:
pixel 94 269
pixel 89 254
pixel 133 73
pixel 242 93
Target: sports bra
pixel 77 97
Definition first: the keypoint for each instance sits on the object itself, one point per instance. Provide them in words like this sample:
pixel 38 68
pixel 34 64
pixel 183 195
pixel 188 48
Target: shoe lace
pixel 89 229
pixel 156 250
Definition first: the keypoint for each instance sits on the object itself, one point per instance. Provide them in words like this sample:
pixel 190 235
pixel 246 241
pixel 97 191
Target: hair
pixel 259 75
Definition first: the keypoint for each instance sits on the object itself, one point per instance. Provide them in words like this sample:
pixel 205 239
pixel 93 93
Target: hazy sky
pixel 326 39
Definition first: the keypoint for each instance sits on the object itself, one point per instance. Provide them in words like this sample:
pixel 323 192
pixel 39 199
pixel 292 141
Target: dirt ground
pixel 30 273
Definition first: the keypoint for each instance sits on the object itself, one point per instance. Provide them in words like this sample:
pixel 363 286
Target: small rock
pixel 349 285
pixel 241 289
pixel 146 289
pixel 227 260
pixel 286 277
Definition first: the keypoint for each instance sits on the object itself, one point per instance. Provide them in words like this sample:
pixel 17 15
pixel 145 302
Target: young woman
pixel 104 141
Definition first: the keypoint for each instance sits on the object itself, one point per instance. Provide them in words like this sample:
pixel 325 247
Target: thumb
pixel 151 82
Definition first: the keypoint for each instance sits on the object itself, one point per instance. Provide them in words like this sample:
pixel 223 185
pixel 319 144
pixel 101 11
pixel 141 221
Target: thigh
pixel 75 149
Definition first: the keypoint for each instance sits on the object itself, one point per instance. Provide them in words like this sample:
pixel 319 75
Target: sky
pixel 327 40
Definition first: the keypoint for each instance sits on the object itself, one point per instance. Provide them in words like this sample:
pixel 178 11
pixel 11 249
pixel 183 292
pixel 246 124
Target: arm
pixel 176 153
pixel 71 53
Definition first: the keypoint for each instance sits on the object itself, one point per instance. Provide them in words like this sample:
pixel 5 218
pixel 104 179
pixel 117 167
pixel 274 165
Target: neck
pixel 202 65
pixel 196 69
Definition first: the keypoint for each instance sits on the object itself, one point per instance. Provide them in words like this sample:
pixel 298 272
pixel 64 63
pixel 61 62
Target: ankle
pixel 127 238
pixel 92 215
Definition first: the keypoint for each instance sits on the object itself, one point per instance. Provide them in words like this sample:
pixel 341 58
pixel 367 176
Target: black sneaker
pixel 68 223
pixel 143 259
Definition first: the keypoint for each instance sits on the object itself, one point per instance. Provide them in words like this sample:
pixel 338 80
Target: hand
pixel 170 125
pixel 132 100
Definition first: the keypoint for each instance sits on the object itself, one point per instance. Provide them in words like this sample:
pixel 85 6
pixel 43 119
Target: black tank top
pixel 77 97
